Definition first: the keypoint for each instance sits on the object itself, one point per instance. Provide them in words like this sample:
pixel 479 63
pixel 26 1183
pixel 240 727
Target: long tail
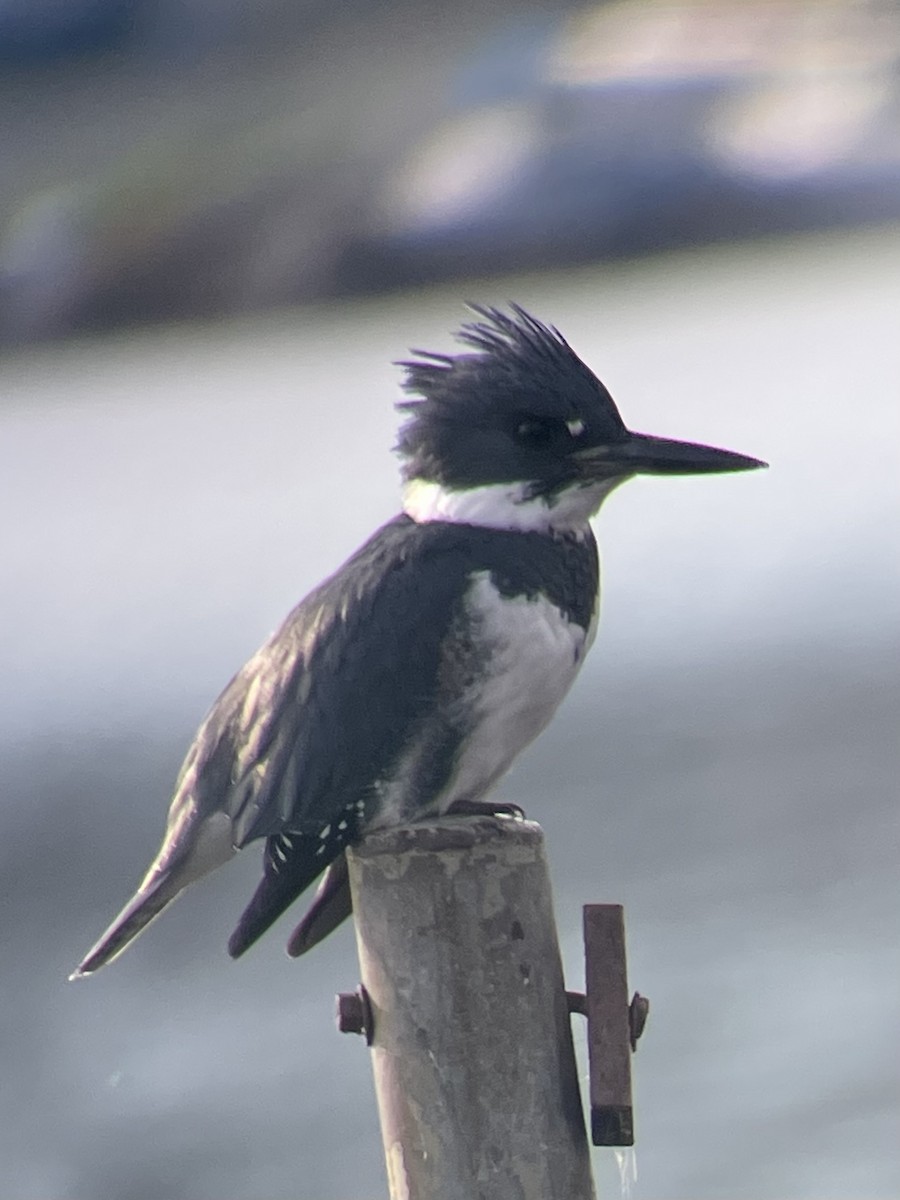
pixel 191 849
pixel 144 907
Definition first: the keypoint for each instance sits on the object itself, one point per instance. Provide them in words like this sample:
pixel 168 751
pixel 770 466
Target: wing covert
pixel 328 703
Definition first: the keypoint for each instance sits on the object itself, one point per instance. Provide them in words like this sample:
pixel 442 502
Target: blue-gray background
pixel 726 766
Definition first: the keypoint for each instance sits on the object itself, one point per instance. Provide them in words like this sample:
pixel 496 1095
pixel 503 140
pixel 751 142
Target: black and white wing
pixel 294 747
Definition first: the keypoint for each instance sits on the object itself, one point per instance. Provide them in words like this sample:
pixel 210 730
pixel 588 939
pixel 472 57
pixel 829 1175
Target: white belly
pixel 534 654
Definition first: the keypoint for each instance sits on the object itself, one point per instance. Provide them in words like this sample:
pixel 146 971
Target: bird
pixel 403 687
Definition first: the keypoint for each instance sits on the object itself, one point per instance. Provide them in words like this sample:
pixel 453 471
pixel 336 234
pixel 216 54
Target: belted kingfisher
pixel 404 685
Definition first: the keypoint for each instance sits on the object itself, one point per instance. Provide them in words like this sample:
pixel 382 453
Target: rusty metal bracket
pixel 613 1024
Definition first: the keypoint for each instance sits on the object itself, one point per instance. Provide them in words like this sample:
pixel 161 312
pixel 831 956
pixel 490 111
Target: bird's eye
pixel 542 431
pixel 538 431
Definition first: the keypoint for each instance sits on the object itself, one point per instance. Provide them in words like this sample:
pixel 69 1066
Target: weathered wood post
pixel 472 1048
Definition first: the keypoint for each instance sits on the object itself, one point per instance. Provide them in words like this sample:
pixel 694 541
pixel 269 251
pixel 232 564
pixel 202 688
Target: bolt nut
pixel 577 1003
pixel 354 1013
pixel 638 1010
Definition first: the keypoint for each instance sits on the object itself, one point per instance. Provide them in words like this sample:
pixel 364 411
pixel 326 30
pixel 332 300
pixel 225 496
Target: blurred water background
pixel 726 766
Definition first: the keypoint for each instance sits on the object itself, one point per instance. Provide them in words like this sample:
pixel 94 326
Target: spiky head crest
pixel 467 423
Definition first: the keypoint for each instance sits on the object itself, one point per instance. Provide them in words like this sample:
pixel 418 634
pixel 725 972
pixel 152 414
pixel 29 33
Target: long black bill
pixel 646 455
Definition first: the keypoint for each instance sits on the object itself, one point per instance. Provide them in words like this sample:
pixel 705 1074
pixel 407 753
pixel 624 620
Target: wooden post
pixel 472 1047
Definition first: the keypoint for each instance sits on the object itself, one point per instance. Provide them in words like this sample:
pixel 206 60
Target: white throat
pixel 506 505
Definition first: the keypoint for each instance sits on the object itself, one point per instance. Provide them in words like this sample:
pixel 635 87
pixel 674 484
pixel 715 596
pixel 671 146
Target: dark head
pixel 524 410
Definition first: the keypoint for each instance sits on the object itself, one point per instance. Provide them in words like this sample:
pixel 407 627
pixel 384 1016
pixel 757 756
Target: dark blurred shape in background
pixel 167 160
pixel 36 32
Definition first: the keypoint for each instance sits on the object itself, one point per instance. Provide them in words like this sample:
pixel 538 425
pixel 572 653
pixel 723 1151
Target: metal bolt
pixel 638 1011
pixel 577 1002
pixel 354 1013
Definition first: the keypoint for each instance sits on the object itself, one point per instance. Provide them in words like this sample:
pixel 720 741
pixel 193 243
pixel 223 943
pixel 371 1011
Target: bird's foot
pixel 486 808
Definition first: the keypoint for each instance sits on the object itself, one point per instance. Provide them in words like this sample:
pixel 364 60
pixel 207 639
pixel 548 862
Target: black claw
pixel 486 808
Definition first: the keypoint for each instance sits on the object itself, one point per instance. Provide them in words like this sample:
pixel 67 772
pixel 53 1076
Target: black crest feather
pixel 514 353
pixel 516 368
